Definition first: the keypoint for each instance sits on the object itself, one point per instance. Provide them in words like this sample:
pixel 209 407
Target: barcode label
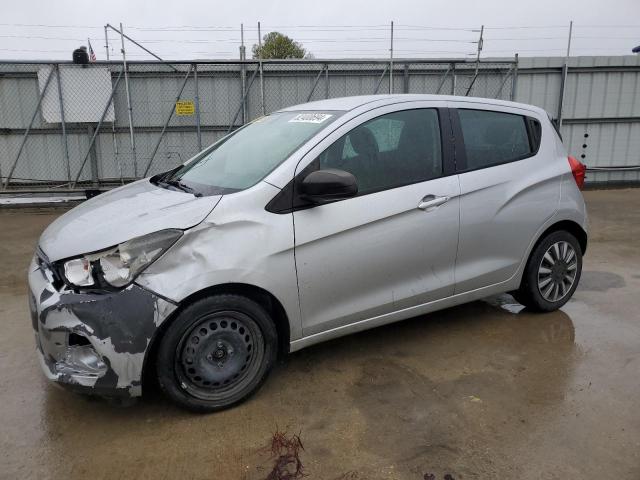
pixel 311 117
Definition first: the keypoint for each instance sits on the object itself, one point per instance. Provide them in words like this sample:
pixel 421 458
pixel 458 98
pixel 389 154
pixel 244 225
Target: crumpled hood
pixel 120 215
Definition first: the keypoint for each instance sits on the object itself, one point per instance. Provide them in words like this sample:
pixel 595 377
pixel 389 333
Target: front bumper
pixel 93 342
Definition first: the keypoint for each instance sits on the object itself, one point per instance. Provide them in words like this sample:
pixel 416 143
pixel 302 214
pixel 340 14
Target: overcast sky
pixel 188 29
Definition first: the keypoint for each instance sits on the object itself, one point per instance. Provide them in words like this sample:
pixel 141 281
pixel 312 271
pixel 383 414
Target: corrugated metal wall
pixel 601 113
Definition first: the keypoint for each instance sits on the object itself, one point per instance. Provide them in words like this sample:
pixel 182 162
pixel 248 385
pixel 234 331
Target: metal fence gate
pixel 66 126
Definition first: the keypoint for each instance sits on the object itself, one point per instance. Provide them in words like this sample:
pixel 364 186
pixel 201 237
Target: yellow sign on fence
pixel 185 108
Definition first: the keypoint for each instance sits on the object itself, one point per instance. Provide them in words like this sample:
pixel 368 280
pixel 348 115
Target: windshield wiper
pixel 181 186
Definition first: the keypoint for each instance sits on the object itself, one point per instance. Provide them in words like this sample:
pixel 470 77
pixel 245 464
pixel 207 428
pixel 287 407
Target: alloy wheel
pixel 557 271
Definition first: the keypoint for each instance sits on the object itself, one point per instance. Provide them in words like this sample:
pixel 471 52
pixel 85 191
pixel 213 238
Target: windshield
pixel 246 156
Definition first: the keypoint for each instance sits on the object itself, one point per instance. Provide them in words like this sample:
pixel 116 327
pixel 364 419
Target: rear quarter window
pixel 535 133
pixel 492 138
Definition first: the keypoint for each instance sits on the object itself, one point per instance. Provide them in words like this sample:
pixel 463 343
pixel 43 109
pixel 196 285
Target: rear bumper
pixel 93 342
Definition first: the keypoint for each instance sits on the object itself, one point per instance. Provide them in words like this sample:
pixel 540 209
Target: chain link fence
pixel 66 126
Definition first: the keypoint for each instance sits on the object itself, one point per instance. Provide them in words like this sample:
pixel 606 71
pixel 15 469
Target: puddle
pixel 593 281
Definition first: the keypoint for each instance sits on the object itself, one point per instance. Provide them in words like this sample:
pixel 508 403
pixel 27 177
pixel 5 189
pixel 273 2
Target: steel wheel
pixel 557 271
pixel 219 355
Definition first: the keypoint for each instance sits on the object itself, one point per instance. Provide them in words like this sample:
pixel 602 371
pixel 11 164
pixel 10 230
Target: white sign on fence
pixel 85 93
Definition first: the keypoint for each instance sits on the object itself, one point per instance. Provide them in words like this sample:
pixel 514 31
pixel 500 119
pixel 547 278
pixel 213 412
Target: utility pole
pixel 475 75
pixel 391 61
pixel 565 71
pixel 243 54
pixel 261 70
pixel 514 79
pixel 106 42
pixel 480 40
pixel 242 51
pixel 129 111
pixel 243 73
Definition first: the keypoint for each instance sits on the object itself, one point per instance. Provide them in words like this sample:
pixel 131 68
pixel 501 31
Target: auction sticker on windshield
pixel 311 118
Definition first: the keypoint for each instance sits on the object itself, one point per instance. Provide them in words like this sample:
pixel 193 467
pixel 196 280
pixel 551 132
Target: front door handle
pixel 431 201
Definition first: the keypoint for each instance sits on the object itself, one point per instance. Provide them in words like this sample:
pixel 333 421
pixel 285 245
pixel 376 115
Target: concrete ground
pixel 484 390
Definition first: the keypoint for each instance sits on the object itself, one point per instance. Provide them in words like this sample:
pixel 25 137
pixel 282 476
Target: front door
pixel 394 245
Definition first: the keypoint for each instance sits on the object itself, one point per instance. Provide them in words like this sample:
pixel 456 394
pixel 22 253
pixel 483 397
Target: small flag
pixel 92 55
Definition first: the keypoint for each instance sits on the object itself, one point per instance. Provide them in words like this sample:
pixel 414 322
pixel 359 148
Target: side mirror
pixel 324 186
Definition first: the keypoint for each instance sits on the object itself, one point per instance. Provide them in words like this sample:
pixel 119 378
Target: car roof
pixel 374 101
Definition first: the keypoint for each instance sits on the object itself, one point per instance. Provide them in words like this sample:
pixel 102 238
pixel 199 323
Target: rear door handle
pixel 429 202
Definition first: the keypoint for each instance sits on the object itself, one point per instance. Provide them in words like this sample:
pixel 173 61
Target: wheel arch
pixel 566 225
pixel 570 226
pixel 259 295
pixel 523 294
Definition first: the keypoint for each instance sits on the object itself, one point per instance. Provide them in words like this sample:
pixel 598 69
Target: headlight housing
pixel 118 266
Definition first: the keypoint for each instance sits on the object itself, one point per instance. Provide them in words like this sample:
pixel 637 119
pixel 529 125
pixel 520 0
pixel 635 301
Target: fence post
pixel 197 95
pixel 244 98
pixel 391 62
pixel 261 71
pixel 92 153
pixel 514 80
pixel 106 42
pixel 565 71
pixel 444 79
pixel 375 92
pixel 129 110
pixel 326 82
pixel 243 92
pixel 502 84
pixel 454 79
pixel 315 83
pixel 243 74
pixel 26 133
pixel 63 124
pixel 473 81
pixel 406 78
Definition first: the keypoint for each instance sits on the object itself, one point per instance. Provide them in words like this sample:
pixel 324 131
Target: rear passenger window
pixel 492 138
pixel 392 150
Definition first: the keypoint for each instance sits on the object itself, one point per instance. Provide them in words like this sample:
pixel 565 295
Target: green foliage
pixel 277 45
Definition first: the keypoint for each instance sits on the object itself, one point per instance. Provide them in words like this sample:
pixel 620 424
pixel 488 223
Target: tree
pixel 277 45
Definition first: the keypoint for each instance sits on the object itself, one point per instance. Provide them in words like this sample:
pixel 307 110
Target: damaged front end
pixel 92 342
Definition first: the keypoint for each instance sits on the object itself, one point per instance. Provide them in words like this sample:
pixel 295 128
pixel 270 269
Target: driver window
pixel 390 151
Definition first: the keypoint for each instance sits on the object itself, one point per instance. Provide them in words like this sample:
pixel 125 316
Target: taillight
pixel 578 169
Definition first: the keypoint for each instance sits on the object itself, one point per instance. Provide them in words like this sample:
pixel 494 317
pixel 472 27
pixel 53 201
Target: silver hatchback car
pixel 316 221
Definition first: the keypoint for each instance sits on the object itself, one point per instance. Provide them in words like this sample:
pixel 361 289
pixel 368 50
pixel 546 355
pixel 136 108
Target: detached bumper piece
pixel 93 343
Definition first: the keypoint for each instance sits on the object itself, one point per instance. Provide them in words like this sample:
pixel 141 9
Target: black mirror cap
pixel 329 184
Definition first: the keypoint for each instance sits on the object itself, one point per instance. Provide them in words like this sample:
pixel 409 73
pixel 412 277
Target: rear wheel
pixel 552 273
pixel 216 353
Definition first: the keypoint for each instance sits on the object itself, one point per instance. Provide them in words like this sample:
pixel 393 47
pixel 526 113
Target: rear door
pixel 394 245
pixel 509 187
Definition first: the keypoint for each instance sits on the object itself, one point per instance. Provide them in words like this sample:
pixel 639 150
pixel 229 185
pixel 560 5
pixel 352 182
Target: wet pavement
pixel 484 390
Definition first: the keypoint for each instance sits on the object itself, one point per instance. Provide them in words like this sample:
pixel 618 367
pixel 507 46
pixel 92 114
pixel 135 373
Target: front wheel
pixel 216 353
pixel 552 273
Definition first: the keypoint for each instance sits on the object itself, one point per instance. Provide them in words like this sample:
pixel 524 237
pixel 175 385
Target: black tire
pixel 530 294
pixel 216 353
